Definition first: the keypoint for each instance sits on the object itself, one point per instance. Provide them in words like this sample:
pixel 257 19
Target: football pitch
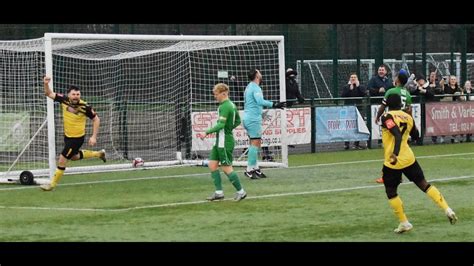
pixel 322 197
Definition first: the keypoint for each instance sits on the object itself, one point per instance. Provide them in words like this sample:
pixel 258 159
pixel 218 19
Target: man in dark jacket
pixel 453 88
pixel 292 89
pixel 434 87
pixel 423 88
pixel 353 89
pixel 379 83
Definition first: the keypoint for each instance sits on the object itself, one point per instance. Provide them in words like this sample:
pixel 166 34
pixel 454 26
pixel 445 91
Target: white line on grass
pixel 275 195
pixel 109 181
pixel 457 159
pixel 377 160
pixel 54 208
pixel 207 174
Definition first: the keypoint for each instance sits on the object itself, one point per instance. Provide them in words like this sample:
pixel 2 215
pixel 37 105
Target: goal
pixel 153 94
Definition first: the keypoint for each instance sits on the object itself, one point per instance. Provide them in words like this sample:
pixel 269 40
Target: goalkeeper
pixel 252 121
pixel 228 119
pixel 75 112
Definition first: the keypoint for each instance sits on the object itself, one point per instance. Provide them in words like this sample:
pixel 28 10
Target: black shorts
pixel 72 146
pixel 393 177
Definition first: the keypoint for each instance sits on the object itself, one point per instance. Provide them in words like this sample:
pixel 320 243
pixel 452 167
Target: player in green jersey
pixel 228 119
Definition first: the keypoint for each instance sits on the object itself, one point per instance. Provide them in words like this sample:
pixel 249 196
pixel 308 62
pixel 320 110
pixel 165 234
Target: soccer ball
pixel 137 162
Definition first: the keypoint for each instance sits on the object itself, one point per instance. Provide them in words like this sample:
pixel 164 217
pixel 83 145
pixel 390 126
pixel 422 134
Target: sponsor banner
pixel 449 118
pixel 340 123
pixel 377 128
pixel 15 131
pixel 298 128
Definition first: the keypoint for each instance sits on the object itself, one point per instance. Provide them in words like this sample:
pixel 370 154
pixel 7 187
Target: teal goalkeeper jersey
pixel 228 119
pixel 254 103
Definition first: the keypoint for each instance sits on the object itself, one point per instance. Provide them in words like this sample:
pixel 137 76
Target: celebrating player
pixel 75 112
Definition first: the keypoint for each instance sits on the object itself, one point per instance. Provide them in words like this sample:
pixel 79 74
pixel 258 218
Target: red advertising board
pixel 449 118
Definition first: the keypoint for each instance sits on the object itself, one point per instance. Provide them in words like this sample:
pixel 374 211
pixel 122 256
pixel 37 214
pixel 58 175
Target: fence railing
pixel 364 104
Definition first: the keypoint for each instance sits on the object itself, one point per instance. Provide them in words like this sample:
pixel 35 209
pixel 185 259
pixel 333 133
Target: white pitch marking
pixel 206 174
pixel 205 201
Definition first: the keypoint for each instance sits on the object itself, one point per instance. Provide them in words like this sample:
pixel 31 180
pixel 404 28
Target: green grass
pixel 324 197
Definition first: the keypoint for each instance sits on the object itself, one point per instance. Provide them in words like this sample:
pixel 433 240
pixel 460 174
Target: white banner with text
pixel 298 128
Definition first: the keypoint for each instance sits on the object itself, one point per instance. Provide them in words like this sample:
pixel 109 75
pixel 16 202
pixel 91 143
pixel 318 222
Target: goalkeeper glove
pixel 280 105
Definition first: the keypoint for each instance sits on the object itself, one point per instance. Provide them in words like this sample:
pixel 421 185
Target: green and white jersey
pixel 228 119
pixel 404 94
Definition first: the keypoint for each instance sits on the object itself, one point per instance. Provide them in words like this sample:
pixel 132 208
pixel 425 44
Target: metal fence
pixel 323 54
pixel 414 44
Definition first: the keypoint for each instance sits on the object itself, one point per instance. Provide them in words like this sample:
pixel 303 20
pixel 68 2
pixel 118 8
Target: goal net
pixel 23 130
pixel 153 95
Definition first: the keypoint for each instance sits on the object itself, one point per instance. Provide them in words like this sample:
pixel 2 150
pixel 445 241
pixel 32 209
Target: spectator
pixel 353 89
pixel 411 83
pixel 420 88
pixel 423 88
pixel 380 83
pixel 292 88
pixel 468 91
pixel 435 89
pixel 452 88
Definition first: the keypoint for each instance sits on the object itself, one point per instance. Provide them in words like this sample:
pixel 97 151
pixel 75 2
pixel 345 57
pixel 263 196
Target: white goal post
pixel 153 94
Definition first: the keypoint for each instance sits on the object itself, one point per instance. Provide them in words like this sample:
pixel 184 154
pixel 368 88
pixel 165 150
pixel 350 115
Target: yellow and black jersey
pixel 399 123
pixel 74 116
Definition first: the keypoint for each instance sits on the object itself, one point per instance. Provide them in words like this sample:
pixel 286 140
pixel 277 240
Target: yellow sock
pixel 397 206
pixel 437 197
pixel 57 175
pixel 90 154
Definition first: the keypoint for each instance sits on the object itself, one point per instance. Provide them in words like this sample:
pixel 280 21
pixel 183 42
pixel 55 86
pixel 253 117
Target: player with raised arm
pixel 400 90
pixel 252 121
pixel 399 159
pixel 75 112
pixel 228 119
pixel 405 95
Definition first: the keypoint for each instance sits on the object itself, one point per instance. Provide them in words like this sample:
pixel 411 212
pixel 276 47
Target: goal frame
pixel 49 37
